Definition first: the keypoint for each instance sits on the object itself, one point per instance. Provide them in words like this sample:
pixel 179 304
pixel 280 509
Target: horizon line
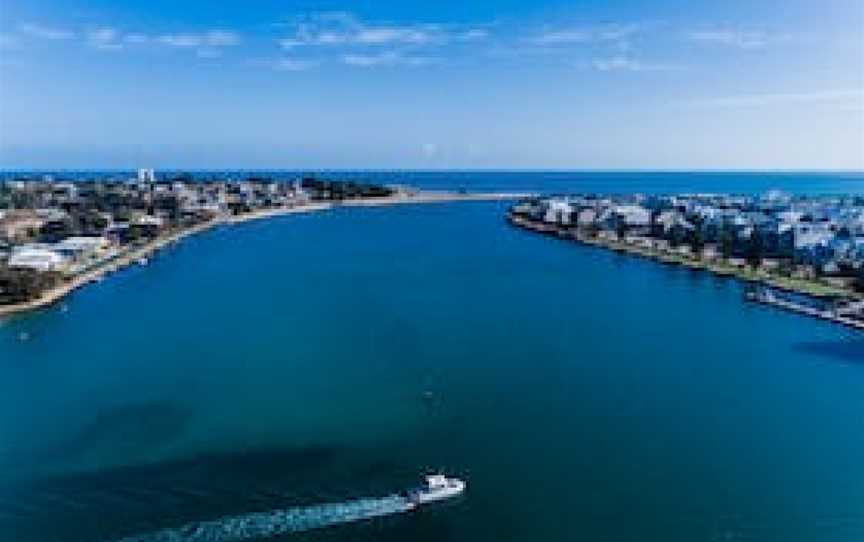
pixel 427 170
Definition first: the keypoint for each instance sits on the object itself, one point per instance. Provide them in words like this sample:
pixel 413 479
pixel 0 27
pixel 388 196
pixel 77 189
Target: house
pixel 147 225
pixel 36 257
pixel 769 264
pixel 633 216
pixel 558 212
pixel 710 252
pixel 81 248
pixel 586 217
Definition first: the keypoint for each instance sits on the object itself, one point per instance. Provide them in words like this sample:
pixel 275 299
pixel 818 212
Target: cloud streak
pixel 741 39
pixel 341 29
pixel 623 63
pixel 208 40
pixel 205 44
pixel 587 34
pixel 286 64
pixel 104 38
pixel 387 58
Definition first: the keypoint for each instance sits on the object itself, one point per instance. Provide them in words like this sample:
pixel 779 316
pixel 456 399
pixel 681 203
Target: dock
pixel 838 315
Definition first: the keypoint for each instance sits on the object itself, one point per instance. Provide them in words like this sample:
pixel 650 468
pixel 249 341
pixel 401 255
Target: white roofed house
pixel 38 258
pixel 812 242
pixel 586 216
pixel 146 225
pixel 634 216
pixel 78 249
pixel 558 211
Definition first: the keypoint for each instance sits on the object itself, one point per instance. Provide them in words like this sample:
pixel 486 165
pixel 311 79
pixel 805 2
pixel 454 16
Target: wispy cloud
pixel 836 96
pixel 742 39
pixel 628 64
pixel 287 64
pixel 205 44
pixel 208 40
pixel 387 58
pixel 45 32
pixel 584 34
pixel 343 30
pixel 105 38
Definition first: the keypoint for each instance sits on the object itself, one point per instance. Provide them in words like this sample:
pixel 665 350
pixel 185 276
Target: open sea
pixel 282 379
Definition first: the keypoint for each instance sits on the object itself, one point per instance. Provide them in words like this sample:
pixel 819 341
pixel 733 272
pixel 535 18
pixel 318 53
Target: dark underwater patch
pixel 849 351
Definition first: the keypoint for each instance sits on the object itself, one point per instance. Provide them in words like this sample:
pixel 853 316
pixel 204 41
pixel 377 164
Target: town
pixel 807 246
pixel 55 230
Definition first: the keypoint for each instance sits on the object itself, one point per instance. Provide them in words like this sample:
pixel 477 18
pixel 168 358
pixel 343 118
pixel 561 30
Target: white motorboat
pixel 437 488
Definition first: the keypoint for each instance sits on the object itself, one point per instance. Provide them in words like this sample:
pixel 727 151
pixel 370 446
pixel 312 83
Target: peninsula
pixel 59 235
pixel 803 254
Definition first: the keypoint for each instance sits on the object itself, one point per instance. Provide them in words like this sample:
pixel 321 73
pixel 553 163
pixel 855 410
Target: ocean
pixel 249 375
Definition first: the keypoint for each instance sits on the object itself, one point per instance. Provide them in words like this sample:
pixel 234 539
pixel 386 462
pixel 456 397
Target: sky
pixel 488 84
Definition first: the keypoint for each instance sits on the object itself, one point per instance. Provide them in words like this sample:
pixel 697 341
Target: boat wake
pixel 261 525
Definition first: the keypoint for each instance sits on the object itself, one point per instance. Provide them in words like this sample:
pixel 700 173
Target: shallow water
pixel 584 395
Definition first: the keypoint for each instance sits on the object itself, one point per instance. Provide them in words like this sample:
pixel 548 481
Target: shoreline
pixel 798 286
pixel 132 255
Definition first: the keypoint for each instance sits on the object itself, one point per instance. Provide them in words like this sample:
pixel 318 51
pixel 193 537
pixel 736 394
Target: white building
pixel 78 248
pixel 146 175
pixel 558 212
pixel 37 257
pixel 634 215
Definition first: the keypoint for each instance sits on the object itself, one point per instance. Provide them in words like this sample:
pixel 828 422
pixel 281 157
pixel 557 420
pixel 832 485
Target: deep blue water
pixel 584 395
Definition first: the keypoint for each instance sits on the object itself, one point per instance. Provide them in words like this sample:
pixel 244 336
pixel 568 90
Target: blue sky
pixel 739 84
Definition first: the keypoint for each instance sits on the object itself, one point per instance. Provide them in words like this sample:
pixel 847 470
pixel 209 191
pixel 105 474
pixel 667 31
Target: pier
pixel 838 315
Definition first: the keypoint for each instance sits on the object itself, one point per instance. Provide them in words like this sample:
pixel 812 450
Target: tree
pixel 620 228
pixel 726 238
pixel 20 285
pixel 696 235
pixel 859 280
pixel 755 249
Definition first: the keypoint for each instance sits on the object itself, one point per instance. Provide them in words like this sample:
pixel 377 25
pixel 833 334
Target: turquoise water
pixel 585 395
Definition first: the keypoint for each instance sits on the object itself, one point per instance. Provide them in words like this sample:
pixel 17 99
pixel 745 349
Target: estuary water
pixel 249 374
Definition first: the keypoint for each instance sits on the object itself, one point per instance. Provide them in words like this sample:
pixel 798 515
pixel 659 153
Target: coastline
pixel 134 254
pixel 798 286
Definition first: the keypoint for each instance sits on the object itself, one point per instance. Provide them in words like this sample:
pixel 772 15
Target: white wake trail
pixel 268 524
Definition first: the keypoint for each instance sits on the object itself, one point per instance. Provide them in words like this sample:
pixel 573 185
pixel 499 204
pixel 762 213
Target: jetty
pixel 840 315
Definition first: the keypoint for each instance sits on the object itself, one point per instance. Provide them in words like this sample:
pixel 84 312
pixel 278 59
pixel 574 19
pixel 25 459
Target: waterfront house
pixel 146 225
pixel 558 212
pixel 634 217
pixel 37 257
pixel 78 249
pixel 769 264
pixel 710 253
pixel 586 217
